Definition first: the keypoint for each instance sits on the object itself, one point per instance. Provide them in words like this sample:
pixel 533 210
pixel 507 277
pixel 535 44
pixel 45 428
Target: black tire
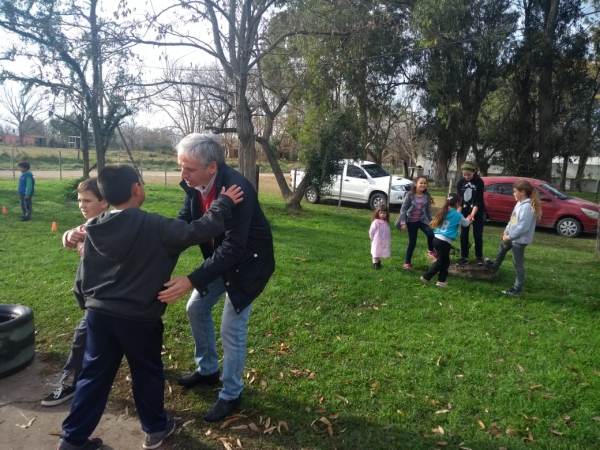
pixel 376 200
pixel 17 338
pixel 568 227
pixel 311 195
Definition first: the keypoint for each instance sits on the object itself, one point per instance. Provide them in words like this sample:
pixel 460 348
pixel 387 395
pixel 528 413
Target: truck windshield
pixel 375 171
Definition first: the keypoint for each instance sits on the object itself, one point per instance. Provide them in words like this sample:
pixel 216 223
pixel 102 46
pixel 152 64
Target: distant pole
pixel 60 165
pixel 141 166
pixel 13 163
pixel 257 175
pixel 165 171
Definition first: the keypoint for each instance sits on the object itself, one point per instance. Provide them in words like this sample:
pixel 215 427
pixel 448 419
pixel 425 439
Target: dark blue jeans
pixel 413 229
pixel 477 225
pixel 75 359
pixel 26 206
pixel 109 338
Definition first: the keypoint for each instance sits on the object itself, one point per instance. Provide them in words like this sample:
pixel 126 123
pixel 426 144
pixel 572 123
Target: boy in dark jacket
pixel 128 256
pixel 470 187
pixel 26 189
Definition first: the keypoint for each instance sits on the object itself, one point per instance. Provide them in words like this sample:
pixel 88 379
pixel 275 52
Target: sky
pixel 153 58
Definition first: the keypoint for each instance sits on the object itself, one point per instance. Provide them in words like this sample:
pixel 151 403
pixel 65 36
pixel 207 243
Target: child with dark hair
pixel 415 215
pixel 379 232
pixel 26 189
pixel 128 256
pixel 519 233
pixel 470 187
pixel 445 226
pixel 91 204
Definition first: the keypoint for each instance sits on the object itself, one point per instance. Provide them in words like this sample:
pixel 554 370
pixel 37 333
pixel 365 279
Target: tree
pixel 77 53
pixel 23 107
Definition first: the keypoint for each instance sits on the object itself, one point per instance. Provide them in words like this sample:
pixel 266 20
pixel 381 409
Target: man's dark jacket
pixel 243 255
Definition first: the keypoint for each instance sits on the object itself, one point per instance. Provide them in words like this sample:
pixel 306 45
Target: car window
pixel 339 169
pixel 558 194
pixel 376 171
pixel 504 189
pixel 355 172
pixel 491 188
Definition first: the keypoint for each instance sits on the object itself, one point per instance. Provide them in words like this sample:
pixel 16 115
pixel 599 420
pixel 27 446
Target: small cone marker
pixel 4 211
pixel 54 226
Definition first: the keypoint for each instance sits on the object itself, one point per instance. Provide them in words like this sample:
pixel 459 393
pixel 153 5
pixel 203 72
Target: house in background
pixel 29 141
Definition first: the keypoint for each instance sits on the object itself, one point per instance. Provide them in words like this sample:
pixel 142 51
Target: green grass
pixel 383 358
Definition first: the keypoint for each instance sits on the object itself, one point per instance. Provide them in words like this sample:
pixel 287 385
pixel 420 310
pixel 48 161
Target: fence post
pixel 60 165
pixel 165 171
pixel 13 163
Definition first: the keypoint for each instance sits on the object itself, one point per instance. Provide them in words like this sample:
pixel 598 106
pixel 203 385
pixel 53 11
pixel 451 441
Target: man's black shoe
pixel 462 262
pixel 222 409
pixel 490 265
pixel 195 378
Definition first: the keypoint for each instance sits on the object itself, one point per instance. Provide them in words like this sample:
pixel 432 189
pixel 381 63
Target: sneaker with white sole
pixel 61 394
pixel 442 284
pixel 408 266
pixel 424 280
pixel 155 440
pixel 90 444
pixel 432 253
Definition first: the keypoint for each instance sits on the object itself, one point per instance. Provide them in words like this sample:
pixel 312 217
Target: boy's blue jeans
pixel 26 206
pixel 109 338
pixel 234 333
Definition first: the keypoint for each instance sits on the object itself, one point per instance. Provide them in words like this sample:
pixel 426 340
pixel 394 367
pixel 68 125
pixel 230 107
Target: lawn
pixel 344 357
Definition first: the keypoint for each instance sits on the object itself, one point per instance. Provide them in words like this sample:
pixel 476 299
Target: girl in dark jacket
pixel 470 188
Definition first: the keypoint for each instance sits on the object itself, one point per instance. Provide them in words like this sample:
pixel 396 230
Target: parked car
pixel 569 215
pixel 362 182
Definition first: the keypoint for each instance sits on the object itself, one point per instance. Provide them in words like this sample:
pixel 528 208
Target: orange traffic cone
pixel 4 211
pixel 54 226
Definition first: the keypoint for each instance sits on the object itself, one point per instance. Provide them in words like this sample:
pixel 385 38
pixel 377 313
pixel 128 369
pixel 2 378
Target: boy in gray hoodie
pixel 128 256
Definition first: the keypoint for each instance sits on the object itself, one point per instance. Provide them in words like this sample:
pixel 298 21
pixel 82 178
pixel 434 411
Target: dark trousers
pixel 441 264
pixel 518 261
pixel 413 228
pixel 26 206
pixel 477 224
pixel 109 338
pixel 75 359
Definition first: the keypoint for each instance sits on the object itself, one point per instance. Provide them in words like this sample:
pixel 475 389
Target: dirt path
pixel 27 425
pixel 266 182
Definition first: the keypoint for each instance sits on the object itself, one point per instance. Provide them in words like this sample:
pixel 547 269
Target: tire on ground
pixel 17 338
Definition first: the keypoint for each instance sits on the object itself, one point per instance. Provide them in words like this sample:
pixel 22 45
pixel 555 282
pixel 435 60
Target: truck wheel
pixel 377 200
pixel 311 195
pixel 17 338
pixel 568 227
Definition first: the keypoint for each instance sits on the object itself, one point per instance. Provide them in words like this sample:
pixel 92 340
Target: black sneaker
pixel 155 440
pixel 480 261
pixel 512 292
pixel 91 444
pixel 462 262
pixel 222 409
pixel 490 265
pixel 61 394
pixel 192 379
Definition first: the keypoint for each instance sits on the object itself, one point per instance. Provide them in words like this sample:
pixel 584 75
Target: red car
pixel 569 215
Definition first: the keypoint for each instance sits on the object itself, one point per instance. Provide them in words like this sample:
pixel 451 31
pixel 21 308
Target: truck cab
pixel 361 182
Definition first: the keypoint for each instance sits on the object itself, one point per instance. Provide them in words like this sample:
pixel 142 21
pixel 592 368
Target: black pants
pixel 477 224
pixel 442 262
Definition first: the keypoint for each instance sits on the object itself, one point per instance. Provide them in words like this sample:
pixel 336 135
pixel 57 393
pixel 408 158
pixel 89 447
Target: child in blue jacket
pixel 445 224
pixel 25 189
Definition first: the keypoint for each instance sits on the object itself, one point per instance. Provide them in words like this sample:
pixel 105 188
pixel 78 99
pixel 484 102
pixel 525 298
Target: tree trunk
pixel 442 157
pixel 580 171
pixel 245 132
pixel 563 172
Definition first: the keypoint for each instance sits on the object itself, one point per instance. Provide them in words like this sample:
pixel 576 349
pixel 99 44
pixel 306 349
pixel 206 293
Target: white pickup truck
pixel 360 182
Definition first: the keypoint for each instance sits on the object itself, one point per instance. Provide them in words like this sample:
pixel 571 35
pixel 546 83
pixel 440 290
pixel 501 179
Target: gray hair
pixel 204 148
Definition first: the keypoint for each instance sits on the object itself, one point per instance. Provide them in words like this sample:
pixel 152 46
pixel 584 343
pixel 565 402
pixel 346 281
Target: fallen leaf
pixel 270 430
pixel 510 432
pixel 441 443
pixel 253 426
pixel 442 411
pixel 481 424
pixel 556 433
pixel 228 422
pixel 547 395
pixel 460 375
pixel 239 443
pixel 334 416
pixel 189 422
pixel 537 386
pixel 528 438
pixel 520 368
pixel 499 360
pixel 281 424
pixel 227 445
pixel 239 427
pixel 27 425
pixel 438 430
pixel 388 427
pixel 597 418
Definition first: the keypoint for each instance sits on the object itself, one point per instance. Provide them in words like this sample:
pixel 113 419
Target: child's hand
pixel 505 238
pixel 469 218
pixel 234 193
pixel 74 237
pixel 80 248
pixel 403 227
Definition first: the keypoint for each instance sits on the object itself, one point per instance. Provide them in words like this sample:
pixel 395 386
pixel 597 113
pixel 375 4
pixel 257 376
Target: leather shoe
pixel 192 379
pixel 222 409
